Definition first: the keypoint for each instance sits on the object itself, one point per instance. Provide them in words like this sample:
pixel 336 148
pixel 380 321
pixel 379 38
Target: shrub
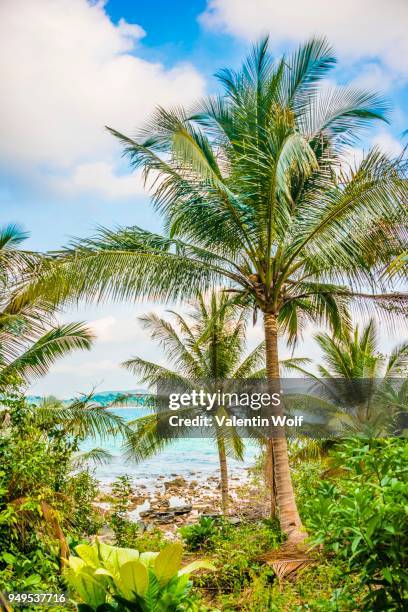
pixel 126 531
pixel 362 519
pixel 200 535
pixel 81 490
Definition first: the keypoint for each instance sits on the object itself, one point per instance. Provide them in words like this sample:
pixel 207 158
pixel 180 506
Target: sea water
pixel 191 458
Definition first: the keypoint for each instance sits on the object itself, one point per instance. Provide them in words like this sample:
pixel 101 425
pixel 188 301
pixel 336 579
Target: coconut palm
pixel 358 378
pixel 30 340
pixel 207 345
pixel 257 197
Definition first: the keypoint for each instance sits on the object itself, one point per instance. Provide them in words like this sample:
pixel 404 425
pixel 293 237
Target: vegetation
pixel 360 518
pixel 201 534
pixel 257 197
pixel 352 503
pixel 109 578
pixel 126 532
pixel 262 213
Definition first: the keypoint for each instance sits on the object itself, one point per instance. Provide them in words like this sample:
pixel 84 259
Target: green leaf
pixel 92 590
pixel 9 558
pixel 113 557
pixel 355 543
pixel 148 558
pixel 196 565
pixel 33 579
pixel 168 562
pixel 76 564
pixel 133 579
pixel 386 572
pixel 89 553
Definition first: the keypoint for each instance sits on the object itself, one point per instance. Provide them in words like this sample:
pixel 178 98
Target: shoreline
pixel 175 501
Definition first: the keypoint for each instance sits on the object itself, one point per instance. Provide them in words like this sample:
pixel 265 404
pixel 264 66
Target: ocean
pixel 193 459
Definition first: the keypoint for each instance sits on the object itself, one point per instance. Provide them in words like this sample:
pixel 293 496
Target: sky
pixel 70 67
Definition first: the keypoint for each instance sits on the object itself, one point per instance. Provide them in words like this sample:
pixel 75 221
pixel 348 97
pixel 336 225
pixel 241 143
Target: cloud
pixel 110 329
pixel 68 71
pixel 387 143
pixel 87 368
pixel 98 178
pixel 364 29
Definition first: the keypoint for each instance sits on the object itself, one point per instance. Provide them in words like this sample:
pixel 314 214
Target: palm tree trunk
pixel 288 513
pixel 269 476
pixel 224 475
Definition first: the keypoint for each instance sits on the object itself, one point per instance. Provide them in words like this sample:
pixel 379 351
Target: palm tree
pixel 257 197
pixel 30 341
pixel 207 345
pixel 372 400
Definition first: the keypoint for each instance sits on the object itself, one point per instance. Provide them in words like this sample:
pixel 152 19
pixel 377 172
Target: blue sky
pixel 71 66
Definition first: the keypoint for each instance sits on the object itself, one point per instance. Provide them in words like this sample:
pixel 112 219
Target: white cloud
pixel 68 71
pixel 387 143
pixel 88 368
pixel 110 329
pixel 366 28
pixel 98 178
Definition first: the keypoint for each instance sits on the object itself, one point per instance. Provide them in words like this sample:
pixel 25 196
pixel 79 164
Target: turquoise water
pixel 194 459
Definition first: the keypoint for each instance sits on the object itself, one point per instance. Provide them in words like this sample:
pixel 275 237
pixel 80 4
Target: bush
pixel 362 518
pixel 81 490
pixel 200 535
pixel 237 550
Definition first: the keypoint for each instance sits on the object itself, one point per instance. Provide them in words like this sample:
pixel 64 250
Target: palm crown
pixel 30 340
pixel 370 387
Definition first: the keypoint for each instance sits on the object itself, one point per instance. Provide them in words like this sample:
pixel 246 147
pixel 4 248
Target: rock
pixel 146 513
pixel 164 517
pixel 211 516
pixel 179 510
pixel 193 483
pixel 177 483
pixel 106 535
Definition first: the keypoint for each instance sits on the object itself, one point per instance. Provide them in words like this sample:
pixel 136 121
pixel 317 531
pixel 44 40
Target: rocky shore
pixel 171 503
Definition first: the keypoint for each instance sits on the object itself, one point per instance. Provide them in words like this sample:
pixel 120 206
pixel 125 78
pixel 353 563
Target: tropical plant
pixel 199 535
pixel 360 381
pixel 30 341
pixel 206 346
pixel 109 578
pixel 257 196
pixel 126 532
pixel 41 500
pixel 359 518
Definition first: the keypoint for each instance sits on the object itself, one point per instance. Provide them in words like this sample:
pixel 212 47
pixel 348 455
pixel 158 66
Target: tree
pixel 257 197
pixel 30 341
pixel 373 402
pixel 208 345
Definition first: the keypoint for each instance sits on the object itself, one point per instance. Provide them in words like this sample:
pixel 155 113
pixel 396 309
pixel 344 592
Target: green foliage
pixel 42 504
pixel 236 553
pixel 257 195
pixel 82 489
pixel 361 517
pixel 126 531
pixel 200 534
pixel 123 578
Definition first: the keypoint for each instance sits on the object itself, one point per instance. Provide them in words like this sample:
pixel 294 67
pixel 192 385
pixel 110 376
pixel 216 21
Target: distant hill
pixel 104 398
